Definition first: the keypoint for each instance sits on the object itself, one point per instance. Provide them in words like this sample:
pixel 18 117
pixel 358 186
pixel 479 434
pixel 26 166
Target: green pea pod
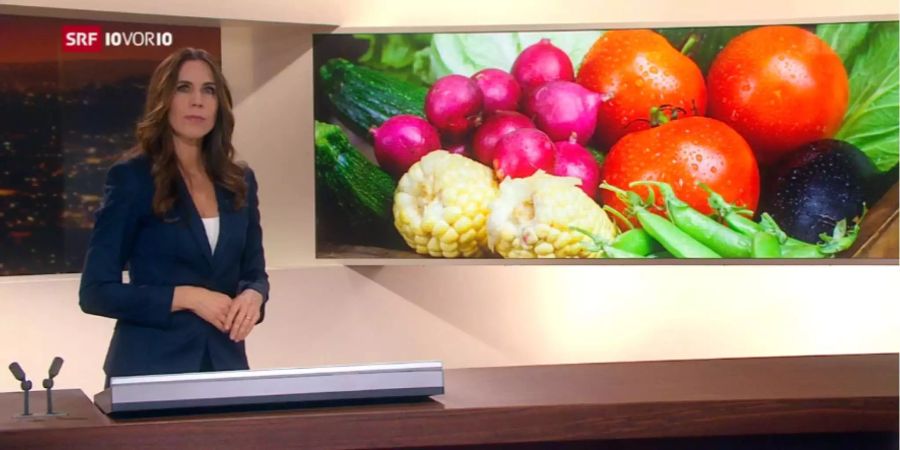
pixel 803 250
pixel 766 245
pixel 791 247
pixel 741 223
pixel 636 241
pixel 768 224
pixel 721 239
pixel 738 219
pixel 610 250
pixel 839 240
pixel 675 241
pixel 617 253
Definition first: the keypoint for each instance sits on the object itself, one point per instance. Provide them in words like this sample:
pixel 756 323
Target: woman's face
pixel 193 111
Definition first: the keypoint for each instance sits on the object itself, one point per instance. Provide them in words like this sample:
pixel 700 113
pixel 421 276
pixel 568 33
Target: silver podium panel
pixel 271 386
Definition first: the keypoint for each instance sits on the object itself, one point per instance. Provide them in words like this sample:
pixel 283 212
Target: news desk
pixel 832 402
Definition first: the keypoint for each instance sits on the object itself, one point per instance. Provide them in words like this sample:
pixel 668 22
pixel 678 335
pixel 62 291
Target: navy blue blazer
pixel 162 254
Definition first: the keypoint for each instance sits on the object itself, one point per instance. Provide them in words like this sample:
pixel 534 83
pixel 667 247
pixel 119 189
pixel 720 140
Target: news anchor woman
pixel 184 217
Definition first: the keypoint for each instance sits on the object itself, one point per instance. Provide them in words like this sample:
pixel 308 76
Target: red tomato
pixel 682 153
pixel 635 70
pixel 780 87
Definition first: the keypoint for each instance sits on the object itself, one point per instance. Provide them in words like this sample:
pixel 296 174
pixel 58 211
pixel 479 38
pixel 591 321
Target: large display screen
pixel 740 143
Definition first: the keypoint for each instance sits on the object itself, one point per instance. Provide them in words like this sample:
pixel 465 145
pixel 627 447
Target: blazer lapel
pixel 194 223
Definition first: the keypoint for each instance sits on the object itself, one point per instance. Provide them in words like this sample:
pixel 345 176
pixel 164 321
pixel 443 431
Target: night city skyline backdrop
pixel 64 118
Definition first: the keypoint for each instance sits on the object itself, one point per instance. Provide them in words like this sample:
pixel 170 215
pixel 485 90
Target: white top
pixel 212 231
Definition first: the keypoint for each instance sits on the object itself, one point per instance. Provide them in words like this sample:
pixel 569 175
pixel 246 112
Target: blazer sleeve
pixel 102 291
pixel 253 261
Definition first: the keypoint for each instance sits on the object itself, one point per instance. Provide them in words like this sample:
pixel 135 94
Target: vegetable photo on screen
pixel 788 130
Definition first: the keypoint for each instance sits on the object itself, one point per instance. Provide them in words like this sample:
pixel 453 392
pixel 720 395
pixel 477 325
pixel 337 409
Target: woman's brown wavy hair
pixel 155 135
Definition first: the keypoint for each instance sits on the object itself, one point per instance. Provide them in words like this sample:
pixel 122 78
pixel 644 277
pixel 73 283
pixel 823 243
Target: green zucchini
pixel 361 190
pixel 365 98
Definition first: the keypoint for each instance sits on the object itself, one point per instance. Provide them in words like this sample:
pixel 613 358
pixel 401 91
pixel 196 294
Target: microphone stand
pixel 48 385
pixel 25 384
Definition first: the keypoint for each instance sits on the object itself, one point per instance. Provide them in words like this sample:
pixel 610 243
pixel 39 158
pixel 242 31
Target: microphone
pixel 17 371
pixel 19 374
pixel 48 382
pixel 55 366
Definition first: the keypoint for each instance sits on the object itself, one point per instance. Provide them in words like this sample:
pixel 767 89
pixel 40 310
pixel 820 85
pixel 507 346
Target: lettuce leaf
pixel 844 38
pixel 872 122
pixel 397 55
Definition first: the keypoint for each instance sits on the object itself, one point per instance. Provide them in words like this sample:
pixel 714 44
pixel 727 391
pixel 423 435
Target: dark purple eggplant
pixel 816 186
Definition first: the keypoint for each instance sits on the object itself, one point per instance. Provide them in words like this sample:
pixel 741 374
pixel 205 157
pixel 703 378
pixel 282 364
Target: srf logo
pixel 92 38
pixel 82 38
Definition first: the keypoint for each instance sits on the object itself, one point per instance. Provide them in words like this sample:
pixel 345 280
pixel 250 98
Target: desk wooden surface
pixel 560 403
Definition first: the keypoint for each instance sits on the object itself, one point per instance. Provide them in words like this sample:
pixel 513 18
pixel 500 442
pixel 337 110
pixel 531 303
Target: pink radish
pixel 561 108
pixel 495 127
pixel 453 104
pixel 402 140
pixel 523 152
pixel 573 160
pixel 540 63
pixel 500 90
